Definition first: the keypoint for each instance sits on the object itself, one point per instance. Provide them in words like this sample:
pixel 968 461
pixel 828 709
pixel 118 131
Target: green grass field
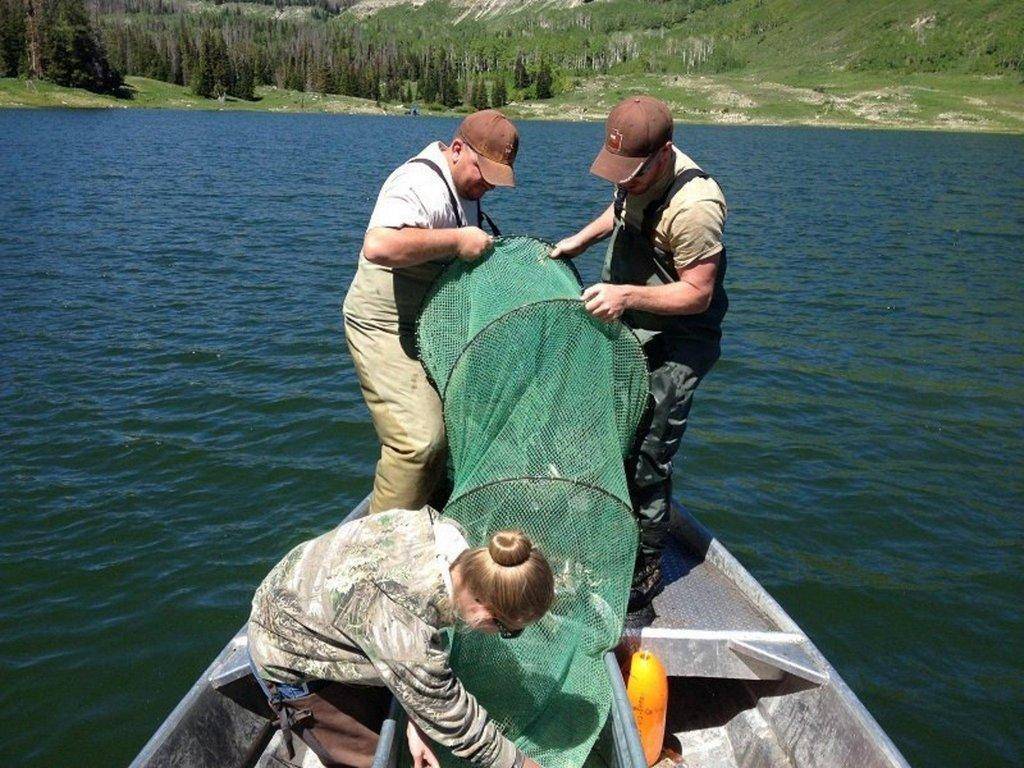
pixel 849 99
pixel 844 99
pixel 154 94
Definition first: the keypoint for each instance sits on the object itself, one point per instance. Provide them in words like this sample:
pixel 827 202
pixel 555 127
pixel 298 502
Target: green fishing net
pixel 541 404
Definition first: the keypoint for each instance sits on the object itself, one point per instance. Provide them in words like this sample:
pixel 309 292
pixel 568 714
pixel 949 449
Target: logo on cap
pixel 615 140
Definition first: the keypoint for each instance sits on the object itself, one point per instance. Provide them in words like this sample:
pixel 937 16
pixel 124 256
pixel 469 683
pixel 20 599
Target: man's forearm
pixel 409 245
pixel 680 298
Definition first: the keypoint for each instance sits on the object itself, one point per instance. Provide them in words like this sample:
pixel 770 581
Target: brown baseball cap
pixel 496 141
pixel 637 128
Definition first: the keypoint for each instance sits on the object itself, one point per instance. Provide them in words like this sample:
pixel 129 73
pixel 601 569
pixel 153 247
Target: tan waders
pixel 406 413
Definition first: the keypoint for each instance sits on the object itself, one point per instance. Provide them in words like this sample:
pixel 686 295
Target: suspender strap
pixel 662 260
pixel 678 183
pixel 689 175
pixel 284 720
pixel 655 207
pixel 459 215
pixel 620 202
pixel 481 217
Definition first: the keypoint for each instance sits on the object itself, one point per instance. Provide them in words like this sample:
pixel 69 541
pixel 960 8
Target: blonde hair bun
pixel 510 548
pixel 510 576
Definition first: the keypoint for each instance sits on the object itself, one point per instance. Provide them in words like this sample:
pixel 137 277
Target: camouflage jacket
pixel 366 603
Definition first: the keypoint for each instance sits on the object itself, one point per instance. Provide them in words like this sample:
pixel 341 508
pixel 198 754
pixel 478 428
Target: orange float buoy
pixel 648 693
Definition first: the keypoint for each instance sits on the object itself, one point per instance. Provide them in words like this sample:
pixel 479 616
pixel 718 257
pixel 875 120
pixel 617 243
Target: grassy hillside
pixel 925 101
pixel 945 64
pixel 964 36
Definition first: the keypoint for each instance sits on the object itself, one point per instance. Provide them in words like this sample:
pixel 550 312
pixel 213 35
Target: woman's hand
pixel 422 755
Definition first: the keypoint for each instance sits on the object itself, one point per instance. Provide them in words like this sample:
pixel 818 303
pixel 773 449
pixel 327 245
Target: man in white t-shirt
pixel 428 213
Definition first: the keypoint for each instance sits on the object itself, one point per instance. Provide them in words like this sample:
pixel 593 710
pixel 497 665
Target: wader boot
pixel 680 350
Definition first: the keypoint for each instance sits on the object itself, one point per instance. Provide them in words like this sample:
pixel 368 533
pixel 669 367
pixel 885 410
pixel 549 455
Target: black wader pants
pixel 680 351
pixel 677 366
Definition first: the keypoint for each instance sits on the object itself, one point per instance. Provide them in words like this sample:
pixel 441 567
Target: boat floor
pixel 714 722
pixel 697 595
pixel 275 755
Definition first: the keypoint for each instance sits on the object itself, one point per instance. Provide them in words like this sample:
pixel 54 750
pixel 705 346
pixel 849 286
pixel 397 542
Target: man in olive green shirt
pixel 663 277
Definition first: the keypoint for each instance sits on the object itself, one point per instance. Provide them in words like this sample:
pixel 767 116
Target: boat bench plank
pixel 736 655
pixel 705 627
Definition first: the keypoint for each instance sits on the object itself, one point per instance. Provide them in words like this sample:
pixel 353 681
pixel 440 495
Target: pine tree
pixel 186 55
pixel 480 100
pixel 12 38
pixel 343 80
pixel 223 73
pixel 520 76
pixel 427 87
pixel 203 81
pixel 448 89
pixel 499 96
pixel 329 82
pixel 544 81
pixel 369 83
pixel 244 86
pixel 294 79
pixel 321 80
pixel 72 54
pixel 395 89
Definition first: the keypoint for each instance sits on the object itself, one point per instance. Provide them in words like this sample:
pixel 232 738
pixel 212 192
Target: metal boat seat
pixel 232 676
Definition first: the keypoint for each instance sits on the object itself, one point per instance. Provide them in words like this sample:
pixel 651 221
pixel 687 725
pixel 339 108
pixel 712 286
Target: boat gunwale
pixel 690 532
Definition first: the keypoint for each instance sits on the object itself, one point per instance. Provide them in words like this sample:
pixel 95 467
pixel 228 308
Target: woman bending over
pixel 360 611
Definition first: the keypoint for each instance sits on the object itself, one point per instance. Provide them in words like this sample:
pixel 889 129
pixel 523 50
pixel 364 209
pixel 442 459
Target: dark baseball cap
pixel 496 141
pixel 637 128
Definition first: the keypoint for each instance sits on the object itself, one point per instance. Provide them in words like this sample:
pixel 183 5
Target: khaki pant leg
pixel 406 413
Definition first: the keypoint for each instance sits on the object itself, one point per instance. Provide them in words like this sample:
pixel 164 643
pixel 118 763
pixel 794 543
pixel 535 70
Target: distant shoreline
pixel 694 100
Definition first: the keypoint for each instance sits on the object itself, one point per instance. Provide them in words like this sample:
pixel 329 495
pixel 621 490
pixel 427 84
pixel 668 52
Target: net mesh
pixel 541 403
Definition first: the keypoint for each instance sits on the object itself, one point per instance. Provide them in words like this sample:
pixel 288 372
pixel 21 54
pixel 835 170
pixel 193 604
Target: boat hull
pixel 749 689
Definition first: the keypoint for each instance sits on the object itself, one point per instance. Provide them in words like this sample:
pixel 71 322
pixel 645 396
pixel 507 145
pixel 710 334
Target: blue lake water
pixel 177 408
